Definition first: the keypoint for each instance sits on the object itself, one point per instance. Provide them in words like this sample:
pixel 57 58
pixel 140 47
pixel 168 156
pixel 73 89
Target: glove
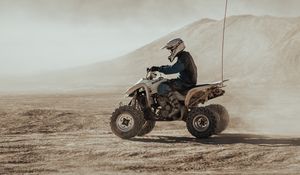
pixel 154 68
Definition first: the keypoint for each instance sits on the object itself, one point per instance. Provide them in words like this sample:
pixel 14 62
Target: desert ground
pixel 69 133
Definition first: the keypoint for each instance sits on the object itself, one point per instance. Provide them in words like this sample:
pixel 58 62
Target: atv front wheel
pixel 201 122
pixel 126 122
pixel 224 117
pixel 147 127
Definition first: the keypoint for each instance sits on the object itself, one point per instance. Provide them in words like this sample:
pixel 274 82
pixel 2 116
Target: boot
pixel 175 103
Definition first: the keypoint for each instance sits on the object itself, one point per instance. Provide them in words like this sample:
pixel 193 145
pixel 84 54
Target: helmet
pixel 175 46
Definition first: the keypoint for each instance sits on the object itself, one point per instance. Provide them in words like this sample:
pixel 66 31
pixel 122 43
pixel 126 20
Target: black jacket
pixel 185 66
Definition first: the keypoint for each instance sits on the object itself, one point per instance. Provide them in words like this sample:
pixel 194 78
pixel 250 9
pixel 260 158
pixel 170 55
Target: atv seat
pixel 199 85
pixel 185 91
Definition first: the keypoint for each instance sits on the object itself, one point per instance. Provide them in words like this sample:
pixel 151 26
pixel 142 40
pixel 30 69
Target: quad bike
pixel 146 107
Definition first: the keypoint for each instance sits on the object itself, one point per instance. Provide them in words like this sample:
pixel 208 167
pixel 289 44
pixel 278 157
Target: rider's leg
pixel 175 103
pixel 164 89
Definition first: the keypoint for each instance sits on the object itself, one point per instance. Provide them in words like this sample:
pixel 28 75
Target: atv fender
pixel 200 92
pixel 130 92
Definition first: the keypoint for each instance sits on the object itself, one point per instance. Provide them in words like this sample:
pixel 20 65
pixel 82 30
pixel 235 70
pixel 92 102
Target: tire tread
pixel 138 121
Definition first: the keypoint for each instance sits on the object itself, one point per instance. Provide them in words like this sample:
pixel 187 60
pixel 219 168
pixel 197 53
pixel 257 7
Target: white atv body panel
pixel 150 86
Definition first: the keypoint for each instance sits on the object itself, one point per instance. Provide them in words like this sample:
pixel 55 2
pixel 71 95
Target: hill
pixel 258 51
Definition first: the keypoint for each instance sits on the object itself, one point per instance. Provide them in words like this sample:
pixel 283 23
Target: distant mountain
pixel 258 51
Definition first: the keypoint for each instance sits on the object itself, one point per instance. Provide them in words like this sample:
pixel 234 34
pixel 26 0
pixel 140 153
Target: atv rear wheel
pixel 147 127
pixel 126 122
pixel 223 114
pixel 201 122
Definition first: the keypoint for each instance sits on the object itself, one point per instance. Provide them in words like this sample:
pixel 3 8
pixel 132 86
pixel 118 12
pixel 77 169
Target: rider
pixel 186 68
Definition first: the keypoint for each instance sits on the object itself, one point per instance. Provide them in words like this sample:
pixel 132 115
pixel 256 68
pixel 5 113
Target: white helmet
pixel 175 46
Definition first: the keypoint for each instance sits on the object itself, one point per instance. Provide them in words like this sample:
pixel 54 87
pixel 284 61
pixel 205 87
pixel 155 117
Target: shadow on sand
pixel 228 138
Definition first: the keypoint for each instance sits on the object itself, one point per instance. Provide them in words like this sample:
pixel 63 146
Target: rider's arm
pixel 175 68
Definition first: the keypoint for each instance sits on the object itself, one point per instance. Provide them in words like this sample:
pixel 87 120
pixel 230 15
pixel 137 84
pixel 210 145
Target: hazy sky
pixel 39 35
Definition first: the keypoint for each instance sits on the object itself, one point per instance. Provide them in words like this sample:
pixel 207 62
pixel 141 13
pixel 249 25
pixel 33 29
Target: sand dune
pixel 259 51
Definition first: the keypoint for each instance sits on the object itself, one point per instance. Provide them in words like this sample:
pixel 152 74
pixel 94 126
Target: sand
pixel 70 134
